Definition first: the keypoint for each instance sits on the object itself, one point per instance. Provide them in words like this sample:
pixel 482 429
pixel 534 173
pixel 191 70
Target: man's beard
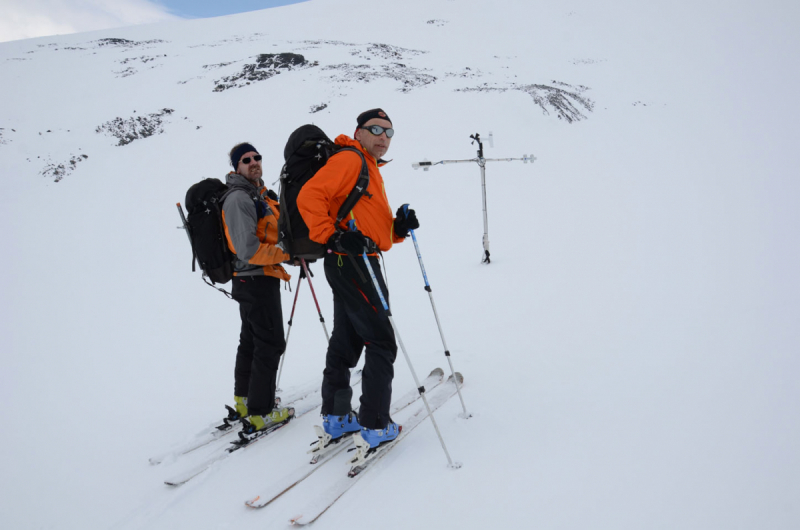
pixel 254 173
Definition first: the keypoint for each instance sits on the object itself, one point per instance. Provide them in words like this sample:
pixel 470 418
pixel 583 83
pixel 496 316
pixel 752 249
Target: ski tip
pixel 437 372
pixel 459 378
pixel 297 520
pixel 251 503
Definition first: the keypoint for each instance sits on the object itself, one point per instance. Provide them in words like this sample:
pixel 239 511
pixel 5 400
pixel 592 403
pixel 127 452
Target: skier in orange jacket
pixel 359 321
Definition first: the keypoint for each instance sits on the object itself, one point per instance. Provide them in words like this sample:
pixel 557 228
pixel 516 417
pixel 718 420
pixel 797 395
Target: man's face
pixel 251 171
pixel 374 145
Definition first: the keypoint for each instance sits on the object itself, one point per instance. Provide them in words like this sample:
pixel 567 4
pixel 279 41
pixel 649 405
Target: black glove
pixel 351 242
pixel 272 195
pixel 405 221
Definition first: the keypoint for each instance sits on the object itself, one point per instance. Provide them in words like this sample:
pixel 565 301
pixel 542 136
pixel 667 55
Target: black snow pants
pixel 261 341
pixel 359 322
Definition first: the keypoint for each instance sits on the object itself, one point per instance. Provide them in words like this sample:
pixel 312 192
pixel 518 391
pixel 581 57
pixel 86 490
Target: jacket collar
pixel 235 180
pixel 346 141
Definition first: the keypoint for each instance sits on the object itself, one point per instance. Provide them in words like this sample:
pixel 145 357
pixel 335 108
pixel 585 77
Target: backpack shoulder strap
pixel 358 191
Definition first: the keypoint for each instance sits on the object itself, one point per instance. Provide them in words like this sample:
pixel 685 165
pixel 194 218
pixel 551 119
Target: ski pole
pixel 420 388
pixel 436 315
pixel 313 294
pixel 288 333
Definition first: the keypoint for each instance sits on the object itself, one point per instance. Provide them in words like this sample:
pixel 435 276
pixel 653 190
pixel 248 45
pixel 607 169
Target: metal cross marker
pixel 481 161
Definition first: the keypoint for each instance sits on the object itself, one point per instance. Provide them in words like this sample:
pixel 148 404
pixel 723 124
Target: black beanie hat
pixel 367 115
pixel 237 153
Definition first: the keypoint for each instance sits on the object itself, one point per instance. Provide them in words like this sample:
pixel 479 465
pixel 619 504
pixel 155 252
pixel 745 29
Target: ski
pixel 301 406
pixel 291 480
pixel 322 503
pixel 219 430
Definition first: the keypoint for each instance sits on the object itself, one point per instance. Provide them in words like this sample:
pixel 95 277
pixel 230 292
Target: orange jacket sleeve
pixel 321 197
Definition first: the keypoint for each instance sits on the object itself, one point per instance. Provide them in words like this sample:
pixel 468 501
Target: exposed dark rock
pixel 129 71
pixel 143 59
pixel 59 171
pixel 218 65
pixel 467 73
pixel 410 78
pixel 387 51
pixel 135 128
pixel 125 43
pixel 565 100
pixel 266 66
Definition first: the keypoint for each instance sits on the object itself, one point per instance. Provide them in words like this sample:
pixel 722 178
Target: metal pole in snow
pixel 481 161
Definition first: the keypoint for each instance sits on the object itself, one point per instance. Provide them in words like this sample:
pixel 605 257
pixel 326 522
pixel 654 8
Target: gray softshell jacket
pixel 250 219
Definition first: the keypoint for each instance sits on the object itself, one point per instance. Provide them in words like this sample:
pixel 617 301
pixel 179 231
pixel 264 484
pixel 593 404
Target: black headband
pixel 367 115
pixel 237 153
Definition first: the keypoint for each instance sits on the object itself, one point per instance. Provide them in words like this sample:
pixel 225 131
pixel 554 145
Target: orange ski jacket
pixel 322 196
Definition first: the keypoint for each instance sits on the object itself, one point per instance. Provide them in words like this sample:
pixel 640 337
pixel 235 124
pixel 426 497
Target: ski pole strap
pixel 357 268
pixel 375 283
pixel 419 255
pixel 421 265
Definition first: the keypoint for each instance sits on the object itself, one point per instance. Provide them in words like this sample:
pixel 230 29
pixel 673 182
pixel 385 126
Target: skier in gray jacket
pixel 250 219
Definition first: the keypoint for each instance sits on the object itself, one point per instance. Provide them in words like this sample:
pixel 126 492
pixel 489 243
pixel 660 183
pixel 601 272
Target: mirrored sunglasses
pixel 377 130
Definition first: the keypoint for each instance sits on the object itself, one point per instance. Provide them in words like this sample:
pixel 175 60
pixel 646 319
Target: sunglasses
pixel 246 160
pixel 377 130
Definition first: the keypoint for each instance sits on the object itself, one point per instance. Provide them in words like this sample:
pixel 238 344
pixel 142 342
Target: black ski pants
pixel 359 323
pixel 261 341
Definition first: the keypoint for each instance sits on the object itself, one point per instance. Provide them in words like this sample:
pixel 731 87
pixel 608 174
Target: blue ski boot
pixel 376 437
pixel 338 426
pixel 367 442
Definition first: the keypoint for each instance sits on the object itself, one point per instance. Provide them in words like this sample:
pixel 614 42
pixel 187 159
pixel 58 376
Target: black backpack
pixel 206 232
pixel 307 151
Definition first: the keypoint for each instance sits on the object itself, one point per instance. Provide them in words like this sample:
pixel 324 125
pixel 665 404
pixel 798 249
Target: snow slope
pixel 630 354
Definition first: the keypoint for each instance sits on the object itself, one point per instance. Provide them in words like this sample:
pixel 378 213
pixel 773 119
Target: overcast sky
pixel 23 19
